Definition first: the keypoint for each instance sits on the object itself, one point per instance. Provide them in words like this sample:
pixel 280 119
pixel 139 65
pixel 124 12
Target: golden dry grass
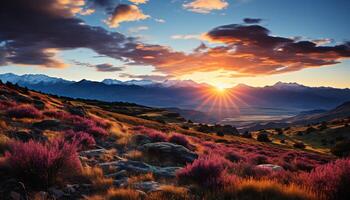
pixel 97 179
pixel 252 189
pixel 140 178
pixel 134 155
pixel 169 192
pixel 118 194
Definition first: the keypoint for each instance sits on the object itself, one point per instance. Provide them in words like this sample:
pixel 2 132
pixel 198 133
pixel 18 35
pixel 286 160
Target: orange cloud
pixel 138 1
pixel 246 50
pixel 123 13
pixel 205 6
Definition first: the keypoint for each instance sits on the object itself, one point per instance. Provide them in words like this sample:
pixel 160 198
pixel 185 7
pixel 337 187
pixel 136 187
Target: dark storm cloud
pixel 252 20
pixel 104 67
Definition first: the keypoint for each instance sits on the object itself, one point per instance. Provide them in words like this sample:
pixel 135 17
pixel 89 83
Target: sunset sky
pixel 220 42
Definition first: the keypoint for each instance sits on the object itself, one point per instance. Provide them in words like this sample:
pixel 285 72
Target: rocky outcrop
pixel 141 168
pixel 169 151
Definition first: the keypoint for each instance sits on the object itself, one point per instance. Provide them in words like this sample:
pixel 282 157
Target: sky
pixel 220 42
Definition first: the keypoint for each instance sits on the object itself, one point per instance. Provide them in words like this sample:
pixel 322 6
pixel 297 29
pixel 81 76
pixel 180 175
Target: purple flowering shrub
pixel 39 165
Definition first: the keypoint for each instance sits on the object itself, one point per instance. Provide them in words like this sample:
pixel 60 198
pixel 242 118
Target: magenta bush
pixel 246 170
pixel 24 111
pixel 332 179
pixel 86 125
pixel 56 114
pixel 156 136
pixel 207 171
pixel 97 131
pixel 40 165
pixel 179 139
pixel 83 139
pixel 4 105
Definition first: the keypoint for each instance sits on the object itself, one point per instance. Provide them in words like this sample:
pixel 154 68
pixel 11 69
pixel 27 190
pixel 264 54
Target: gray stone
pixel 141 167
pixel 166 150
pixel 93 152
pixel 146 186
pixel 56 193
pixel 271 167
pixel 117 175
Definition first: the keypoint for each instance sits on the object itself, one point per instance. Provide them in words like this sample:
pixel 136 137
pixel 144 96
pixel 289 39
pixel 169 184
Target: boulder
pixel 271 167
pixel 140 139
pixel 77 110
pixel 169 151
pixel 146 186
pixel 141 168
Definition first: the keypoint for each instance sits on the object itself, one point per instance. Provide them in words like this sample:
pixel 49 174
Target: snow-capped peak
pixel 29 78
pixel 288 86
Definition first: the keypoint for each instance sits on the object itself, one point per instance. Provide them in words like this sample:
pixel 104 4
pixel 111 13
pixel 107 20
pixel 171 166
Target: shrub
pixel 4 143
pixel 341 148
pixel 118 194
pixel 96 178
pixel 299 145
pixel 83 139
pixel 331 180
pixel 24 111
pixel 263 137
pixel 156 136
pixel 206 171
pixel 40 165
pixel 169 192
pixel 252 189
pixel 86 125
pixel 56 114
pixel 97 131
pixel 179 139
pixel 245 170
pixel 4 105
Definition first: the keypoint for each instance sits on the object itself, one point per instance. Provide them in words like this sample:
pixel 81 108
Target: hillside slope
pixel 74 149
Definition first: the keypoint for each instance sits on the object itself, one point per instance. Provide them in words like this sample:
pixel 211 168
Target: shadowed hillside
pixel 61 148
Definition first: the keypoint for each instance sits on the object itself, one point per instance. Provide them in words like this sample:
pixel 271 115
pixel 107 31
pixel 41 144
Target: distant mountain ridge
pixel 189 95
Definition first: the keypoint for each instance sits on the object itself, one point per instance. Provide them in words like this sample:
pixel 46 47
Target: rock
pixel 77 110
pixel 12 189
pixel 47 124
pixel 141 167
pixel 39 104
pixel 24 136
pixel 271 167
pixel 121 182
pixel 56 193
pixel 117 175
pixel 70 188
pixel 146 186
pixel 169 151
pixel 140 139
pixel 15 195
pixel 93 152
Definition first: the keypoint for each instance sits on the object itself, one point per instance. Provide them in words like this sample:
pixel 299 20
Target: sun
pixel 220 88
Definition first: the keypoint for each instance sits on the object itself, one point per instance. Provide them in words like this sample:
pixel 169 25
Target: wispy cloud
pixel 138 1
pixel 205 6
pixel 159 20
pixel 185 37
pixel 138 29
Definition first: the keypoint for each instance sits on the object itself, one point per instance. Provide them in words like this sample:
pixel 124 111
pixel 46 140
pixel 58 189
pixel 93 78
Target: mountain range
pixel 281 99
